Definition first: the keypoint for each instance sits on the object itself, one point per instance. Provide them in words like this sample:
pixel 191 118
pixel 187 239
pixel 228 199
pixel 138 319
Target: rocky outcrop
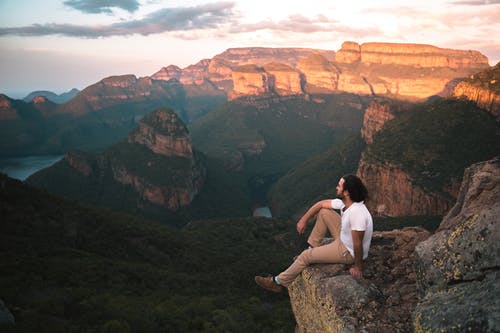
pixel 407 71
pixel 378 112
pixel 155 168
pixel 457 268
pixel 250 80
pixel 325 298
pixel 414 55
pixel 163 133
pixel 284 79
pixel 7 111
pixel 376 115
pixel 484 89
pixel 321 75
pixel 393 192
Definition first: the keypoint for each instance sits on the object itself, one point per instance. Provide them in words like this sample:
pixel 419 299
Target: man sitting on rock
pixel 352 234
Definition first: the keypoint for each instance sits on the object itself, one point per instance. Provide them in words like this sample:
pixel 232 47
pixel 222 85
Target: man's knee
pixel 326 213
pixel 305 256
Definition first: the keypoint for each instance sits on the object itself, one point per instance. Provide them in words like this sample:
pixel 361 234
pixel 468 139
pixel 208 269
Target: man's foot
pixel 268 284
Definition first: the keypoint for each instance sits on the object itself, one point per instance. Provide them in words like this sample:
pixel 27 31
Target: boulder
pixel 325 298
pixel 457 267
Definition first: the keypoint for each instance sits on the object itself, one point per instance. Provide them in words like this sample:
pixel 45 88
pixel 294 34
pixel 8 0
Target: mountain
pixel 73 267
pixel 53 97
pixel 483 88
pixel 154 170
pixel 416 161
pixel 104 113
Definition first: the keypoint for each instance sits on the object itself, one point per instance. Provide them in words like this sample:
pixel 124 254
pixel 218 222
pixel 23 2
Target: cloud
pixel 301 24
pixel 100 6
pixel 476 2
pixel 166 19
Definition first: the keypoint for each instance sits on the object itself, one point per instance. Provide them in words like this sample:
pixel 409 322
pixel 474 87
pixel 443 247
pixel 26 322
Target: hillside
pixel 315 179
pixel 77 268
pixel 267 136
pixel 155 172
pixel 421 154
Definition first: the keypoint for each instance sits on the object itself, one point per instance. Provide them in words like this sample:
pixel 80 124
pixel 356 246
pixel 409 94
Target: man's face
pixel 340 188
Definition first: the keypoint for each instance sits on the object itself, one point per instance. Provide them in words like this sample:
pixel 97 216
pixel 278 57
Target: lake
pixel 23 167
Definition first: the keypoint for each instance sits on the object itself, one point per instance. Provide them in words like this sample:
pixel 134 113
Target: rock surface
pixel 457 268
pixel 377 113
pixel 484 89
pixel 325 298
pixel 388 184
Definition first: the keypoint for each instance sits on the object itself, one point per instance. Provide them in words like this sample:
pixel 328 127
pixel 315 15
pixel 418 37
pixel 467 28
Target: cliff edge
pixel 457 268
pixel 446 282
pixel 325 298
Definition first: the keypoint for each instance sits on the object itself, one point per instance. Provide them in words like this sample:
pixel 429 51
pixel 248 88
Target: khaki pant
pixel 333 253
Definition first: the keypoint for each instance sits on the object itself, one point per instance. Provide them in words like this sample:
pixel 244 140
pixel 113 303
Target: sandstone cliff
pixel 320 74
pixel 408 71
pixel 457 268
pixel 250 80
pixel 405 71
pixel 393 192
pixel 484 89
pixel 325 298
pixel 154 169
pixel 378 112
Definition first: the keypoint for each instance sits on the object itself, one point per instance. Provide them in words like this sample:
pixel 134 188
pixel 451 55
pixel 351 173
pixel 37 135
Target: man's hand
pixel 301 225
pixel 356 272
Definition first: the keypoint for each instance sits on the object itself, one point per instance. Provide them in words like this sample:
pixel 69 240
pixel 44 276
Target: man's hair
pixel 355 187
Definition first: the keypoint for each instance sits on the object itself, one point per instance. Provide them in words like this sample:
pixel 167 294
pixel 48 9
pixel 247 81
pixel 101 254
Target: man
pixel 352 233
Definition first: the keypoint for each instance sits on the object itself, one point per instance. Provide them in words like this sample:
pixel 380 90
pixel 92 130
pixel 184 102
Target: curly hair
pixel 355 187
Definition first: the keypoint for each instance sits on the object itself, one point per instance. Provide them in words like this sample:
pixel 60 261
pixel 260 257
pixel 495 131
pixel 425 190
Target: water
pixel 23 167
pixel 262 211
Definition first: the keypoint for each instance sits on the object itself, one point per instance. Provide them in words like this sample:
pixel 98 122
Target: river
pixel 23 167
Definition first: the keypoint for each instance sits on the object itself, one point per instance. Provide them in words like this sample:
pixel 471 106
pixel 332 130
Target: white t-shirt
pixel 356 217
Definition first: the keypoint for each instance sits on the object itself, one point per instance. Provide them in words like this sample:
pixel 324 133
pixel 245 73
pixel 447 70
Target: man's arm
pixel 302 224
pixel 357 239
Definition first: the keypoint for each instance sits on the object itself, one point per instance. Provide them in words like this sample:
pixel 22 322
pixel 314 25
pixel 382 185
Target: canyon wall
pixel 393 192
pixel 157 162
pixel 405 71
pixel 482 88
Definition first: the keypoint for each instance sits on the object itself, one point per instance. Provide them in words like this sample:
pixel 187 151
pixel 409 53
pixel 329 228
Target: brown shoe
pixel 268 284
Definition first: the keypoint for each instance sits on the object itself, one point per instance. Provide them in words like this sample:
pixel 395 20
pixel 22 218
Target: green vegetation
pixel 287 131
pixel 435 142
pixel 75 268
pixel 315 179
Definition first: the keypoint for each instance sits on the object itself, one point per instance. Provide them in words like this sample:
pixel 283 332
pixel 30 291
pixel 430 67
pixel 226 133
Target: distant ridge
pixel 53 97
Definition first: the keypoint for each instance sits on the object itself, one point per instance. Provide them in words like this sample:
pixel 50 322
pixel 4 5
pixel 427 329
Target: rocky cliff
pixel 378 112
pixel 155 168
pixel 413 281
pixel 393 192
pixel 325 298
pixel 457 268
pixel 413 164
pixel 483 88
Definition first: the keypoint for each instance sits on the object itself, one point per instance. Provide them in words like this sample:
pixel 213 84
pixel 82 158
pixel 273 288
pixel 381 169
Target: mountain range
pixel 198 148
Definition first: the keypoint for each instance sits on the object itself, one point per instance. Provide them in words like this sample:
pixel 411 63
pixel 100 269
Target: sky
pixel 59 45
